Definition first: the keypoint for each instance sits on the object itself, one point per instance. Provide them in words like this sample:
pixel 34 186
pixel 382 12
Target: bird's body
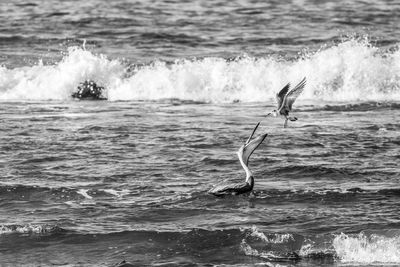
pixel 244 154
pixel 233 188
pixel 285 100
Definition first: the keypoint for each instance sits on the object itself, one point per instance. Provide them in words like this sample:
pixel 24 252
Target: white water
pixel 84 193
pixel 274 239
pixel 357 249
pixel 367 250
pixel 353 70
pixel 26 229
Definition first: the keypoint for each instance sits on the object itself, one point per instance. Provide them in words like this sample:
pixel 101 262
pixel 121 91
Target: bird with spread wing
pixel 285 100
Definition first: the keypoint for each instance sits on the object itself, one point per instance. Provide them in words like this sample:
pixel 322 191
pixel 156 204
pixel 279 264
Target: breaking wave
pixel 367 249
pixel 357 249
pixel 30 229
pixel 353 70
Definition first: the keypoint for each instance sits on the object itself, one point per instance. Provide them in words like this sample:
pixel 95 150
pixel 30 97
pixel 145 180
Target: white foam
pixel 310 247
pixel 249 251
pixel 353 70
pixel 58 81
pixel 267 255
pixel 24 229
pixel 84 193
pixel 274 239
pixel 117 193
pixel 367 250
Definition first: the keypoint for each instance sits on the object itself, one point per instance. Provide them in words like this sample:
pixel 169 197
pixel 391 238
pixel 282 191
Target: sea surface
pixel 92 183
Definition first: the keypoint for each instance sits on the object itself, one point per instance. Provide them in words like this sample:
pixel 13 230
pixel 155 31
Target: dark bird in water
pixel 244 154
pixel 285 100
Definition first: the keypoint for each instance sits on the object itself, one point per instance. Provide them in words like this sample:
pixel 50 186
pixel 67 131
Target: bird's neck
pixel 250 181
pixel 249 174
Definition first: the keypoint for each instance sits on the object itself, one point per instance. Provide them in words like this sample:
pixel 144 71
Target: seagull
pixel 286 99
pixel 244 154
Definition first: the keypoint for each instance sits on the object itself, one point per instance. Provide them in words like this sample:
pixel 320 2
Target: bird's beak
pixel 268 114
pixel 254 130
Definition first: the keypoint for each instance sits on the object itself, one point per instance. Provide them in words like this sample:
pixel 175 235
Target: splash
pixel 351 71
pixel 267 255
pixel 57 82
pixel 367 250
pixel 359 249
pixel 273 246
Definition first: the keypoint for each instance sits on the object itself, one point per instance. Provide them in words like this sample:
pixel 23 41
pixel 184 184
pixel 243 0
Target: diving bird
pixel 244 154
pixel 285 100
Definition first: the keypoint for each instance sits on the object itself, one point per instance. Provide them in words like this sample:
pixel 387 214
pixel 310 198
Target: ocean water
pixel 92 183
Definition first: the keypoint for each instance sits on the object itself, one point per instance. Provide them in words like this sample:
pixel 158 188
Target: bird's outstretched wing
pixel 293 94
pixel 281 95
pixel 248 148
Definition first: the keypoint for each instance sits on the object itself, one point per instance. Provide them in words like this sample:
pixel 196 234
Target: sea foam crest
pixel 57 82
pixel 271 238
pixel 367 250
pixel 353 70
pixel 28 229
pixel 249 251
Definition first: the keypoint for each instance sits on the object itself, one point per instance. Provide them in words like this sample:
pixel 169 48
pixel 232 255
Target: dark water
pixel 92 183
pixel 146 30
pixel 96 182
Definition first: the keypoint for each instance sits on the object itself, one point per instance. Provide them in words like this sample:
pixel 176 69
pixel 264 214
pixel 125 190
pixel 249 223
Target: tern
pixel 244 154
pixel 285 100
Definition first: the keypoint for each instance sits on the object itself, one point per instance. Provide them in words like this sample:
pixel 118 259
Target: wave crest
pixel 353 70
pixel 363 249
pixel 30 229
pixel 57 82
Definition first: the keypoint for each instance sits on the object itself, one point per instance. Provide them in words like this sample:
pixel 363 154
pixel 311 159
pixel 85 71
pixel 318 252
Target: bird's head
pixel 273 113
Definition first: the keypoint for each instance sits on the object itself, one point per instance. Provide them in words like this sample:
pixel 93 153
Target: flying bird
pixel 244 154
pixel 285 100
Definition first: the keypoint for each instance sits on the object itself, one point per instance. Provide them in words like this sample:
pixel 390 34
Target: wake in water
pixel 353 70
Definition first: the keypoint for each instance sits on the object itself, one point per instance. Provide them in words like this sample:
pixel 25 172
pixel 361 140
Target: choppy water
pixel 92 183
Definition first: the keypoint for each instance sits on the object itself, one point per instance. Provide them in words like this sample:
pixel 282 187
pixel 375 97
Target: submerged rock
pixel 89 90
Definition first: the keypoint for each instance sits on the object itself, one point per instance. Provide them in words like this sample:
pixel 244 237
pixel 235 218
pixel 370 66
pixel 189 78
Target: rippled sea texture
pixel 93 183
pixel 97 182
pixel 142 31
